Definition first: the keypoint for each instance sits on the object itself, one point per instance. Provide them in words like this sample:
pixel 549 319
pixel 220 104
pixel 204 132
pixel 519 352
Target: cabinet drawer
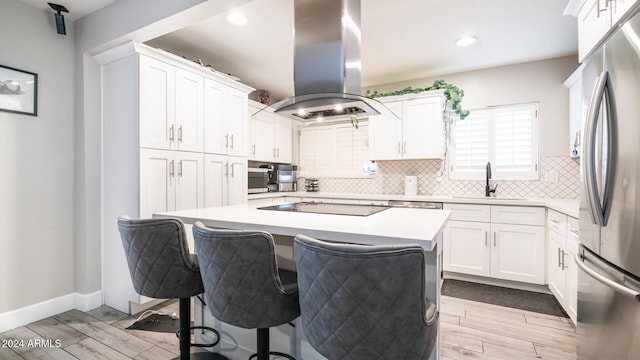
pixel 557 222
pixel 573 228
pixel 520 215
pixel 466 212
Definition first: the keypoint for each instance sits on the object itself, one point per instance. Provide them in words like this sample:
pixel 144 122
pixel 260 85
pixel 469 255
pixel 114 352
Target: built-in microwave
pixel 258 180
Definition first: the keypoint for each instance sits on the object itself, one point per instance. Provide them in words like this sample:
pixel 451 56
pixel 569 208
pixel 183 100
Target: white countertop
pixel 566 206
pixel 391 226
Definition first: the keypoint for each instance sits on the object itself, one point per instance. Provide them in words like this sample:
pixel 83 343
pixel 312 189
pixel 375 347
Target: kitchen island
pixel 391 226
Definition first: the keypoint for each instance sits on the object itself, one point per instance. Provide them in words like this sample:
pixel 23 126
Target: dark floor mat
pixel 496 295
pixel 158 323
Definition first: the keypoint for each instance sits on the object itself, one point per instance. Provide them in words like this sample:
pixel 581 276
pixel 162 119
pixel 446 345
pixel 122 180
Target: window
pixel 506 136
pixel 336 150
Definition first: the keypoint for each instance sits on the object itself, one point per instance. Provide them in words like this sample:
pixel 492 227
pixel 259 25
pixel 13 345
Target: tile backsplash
pixel 391 174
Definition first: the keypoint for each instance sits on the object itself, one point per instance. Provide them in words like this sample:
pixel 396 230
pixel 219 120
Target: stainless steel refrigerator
pixel 609 255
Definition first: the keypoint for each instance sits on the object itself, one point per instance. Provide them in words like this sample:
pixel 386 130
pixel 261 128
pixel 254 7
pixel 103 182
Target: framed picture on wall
pixel 18 91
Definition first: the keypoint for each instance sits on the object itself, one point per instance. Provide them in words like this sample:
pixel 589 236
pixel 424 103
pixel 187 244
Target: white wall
pixel 37 157
pixel 533 81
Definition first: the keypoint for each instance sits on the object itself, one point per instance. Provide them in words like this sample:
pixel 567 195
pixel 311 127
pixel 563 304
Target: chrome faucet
pixel 488 190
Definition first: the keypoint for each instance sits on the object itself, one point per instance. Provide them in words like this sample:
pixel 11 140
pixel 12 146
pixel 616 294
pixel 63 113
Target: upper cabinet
pixel 271 135
pixel 170 107
pixel 576 112
pixel 416 132
pixel 225 119
pixel 595 19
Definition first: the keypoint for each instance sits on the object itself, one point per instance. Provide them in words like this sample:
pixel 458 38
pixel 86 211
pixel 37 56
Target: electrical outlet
pixel 551 176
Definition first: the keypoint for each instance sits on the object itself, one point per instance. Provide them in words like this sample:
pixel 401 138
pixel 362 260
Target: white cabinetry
pixel 416 132
pixel 226 180
pixel 595 19
pixel 153 133
pixel 170 106
pixel 562 244
pixel 501 242
pixel 225 119
pixel 271 136
pixel 170 180
pixel 576 111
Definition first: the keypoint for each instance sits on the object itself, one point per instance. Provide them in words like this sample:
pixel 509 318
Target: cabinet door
pixel 157 105
pixel 593 23
pixel 216 169
pixel 157 181
pixel 466 248
pixel 214 128
pixel 422 128
pixel 385 134
pixel 619 8
pixel 189 175
pixel 283 140
pixel 517 253
pixel 236 122
pixel 237 180
pixel 264 142
pixel 189 90
pixel 571 268
pixel 555 266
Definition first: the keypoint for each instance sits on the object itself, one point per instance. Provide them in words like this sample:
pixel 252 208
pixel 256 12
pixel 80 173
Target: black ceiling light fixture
pixel 60 28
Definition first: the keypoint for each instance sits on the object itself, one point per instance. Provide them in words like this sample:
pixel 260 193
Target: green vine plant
pixel 452 93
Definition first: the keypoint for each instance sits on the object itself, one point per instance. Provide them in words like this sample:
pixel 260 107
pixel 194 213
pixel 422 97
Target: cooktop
pixel 328 208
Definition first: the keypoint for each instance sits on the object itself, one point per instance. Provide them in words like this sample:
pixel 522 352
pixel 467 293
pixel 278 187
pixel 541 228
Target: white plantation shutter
pixel 336 150
pixel 514 144
pixel 472 142
pixel 506 136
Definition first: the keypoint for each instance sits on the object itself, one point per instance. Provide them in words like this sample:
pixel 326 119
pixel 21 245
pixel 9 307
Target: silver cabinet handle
pixel 602 9
pixel 232 169
pixel 231 146
pixel 171 169
pixel 485 239
pixel 399 149
pixel 171 134
pixel 180 168
pixel 253 151
pixel 278 152
pixel 180 133
pixel 226 169
pixel 404 147
pixel 574 232
pixel 226 140
pixel 554 221
pixel 559 263
pixel 494 239
pixel 274 152
pixel 563 266
pixel 610 283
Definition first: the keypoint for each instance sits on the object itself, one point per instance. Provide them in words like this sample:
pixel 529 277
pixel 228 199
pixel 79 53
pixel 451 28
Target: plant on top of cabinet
pixel 453 94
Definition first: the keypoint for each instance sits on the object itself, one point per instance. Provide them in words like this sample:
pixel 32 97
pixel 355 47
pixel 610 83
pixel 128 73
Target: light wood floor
pixel 470 330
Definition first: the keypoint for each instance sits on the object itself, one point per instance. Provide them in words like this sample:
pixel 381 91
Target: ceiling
pixel 77 8
pixel 401 41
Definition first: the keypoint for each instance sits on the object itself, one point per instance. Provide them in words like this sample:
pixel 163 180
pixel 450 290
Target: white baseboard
pixel 28 314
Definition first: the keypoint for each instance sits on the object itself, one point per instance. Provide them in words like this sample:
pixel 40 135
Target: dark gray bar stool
pixel 161 267
pixel 364 302
pixel 242 282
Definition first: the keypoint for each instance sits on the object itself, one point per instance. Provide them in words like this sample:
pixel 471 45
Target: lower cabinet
pixel 562 245
pixel 226 180
pixel 170 180
pixel 500 242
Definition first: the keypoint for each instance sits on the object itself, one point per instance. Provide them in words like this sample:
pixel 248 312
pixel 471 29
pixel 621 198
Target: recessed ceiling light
pixel 338 108
pixel 319 118
pixel 301 112
pixel 466 40
pixel 237 18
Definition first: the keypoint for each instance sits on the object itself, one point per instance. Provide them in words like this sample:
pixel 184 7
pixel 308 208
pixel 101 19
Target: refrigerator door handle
pixel 607 282
pixel 612 153
pixel 598 210
pixel 591 188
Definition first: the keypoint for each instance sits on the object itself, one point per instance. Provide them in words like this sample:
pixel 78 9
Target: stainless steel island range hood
pixel 327 64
